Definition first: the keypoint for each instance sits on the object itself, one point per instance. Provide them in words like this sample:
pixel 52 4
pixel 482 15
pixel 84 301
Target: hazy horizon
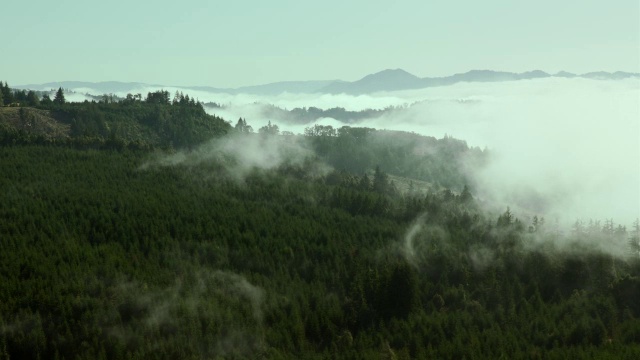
pixel 246 43
pixel 214 86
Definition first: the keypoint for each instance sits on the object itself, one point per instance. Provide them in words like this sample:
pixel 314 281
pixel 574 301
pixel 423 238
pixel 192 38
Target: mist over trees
pixel 310 114
pixel 127 232
pixel 442 162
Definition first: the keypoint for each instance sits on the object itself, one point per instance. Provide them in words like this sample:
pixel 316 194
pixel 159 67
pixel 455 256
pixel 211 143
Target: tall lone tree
pixel 59 99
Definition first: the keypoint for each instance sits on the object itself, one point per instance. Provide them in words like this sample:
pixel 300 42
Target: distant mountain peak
pixel 391 74
pixel 565 74
pixel 385 80
pixel 396 71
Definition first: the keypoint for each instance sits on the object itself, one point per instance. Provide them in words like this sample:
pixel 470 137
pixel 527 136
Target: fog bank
pixel 565 148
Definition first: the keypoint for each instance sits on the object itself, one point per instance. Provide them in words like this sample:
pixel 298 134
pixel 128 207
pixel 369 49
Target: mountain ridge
pixel 382 81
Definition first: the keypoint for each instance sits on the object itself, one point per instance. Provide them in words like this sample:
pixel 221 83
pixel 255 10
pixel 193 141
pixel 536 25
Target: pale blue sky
pixel 238 42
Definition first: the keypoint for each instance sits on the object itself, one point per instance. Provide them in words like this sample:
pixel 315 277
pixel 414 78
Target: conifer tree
pixel 364 183
pixel 59 98
pixel 241 126
pixel 269 129
pixel 46 99
pixel 32 98
pixel 380 181
pixel 7 95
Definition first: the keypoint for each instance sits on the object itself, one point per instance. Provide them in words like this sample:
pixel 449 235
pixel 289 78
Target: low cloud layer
pixel 564 148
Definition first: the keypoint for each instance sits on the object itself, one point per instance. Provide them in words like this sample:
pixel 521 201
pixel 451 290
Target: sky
pixel 241 42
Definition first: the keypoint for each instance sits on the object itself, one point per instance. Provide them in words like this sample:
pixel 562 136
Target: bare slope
pixel 36 122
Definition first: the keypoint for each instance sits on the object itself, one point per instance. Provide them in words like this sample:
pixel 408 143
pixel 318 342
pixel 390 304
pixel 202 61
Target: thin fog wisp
pixel 240 154
pixel 219 299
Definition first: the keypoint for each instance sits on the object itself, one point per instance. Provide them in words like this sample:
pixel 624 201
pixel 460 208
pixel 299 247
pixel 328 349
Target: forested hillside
pixel 311 114
pixel 121 252
pixel 444 162
pixel 154 122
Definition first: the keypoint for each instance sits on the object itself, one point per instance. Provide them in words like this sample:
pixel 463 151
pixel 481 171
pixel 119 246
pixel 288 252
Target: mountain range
pixel 386 80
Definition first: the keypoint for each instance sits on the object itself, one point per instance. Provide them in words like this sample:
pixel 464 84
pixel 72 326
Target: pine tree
pixel 241 126
pixel 176 98
pixel 505 219
pixel 364 183
pixel 269 129
pixel 46 100
pixel 59 98
pixel 7 94
pixel 32 98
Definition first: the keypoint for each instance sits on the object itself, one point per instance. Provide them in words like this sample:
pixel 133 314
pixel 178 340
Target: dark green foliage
pixel 32 98
pixel 103 258
pixel 130 123
pixel 7 94
pixel 46 100
pixel 159 97
pixel 399 293
pixel 311 114
pixel 438 161
pixel 59 98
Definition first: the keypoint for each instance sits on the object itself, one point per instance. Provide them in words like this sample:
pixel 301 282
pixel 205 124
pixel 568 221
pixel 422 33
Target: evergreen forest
pixel 145 228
